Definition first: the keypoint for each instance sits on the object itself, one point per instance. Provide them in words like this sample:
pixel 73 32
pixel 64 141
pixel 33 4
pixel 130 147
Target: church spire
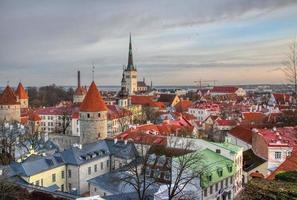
pixel 130 65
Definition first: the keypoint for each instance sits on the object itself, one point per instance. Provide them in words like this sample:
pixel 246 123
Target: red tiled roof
pixel 242 133
pixel 93 101
pixel 8 97
pixel 183 105
pixel 167 98
pixel 225 122
pixel 279 137
pixel 33 116
pixel 21 92
pixel 115 112
pixel 256 174
pixel 253 116
pixel 152 134
pixel 224 89
pixel 290 164
pixel 281 98
pixel 141 100
pixel 80 91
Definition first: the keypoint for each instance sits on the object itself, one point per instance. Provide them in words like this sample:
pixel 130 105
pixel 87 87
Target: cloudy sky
pixel 174 41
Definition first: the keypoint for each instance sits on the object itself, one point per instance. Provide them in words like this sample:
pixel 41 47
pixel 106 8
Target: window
pixel 95 189
pixel 209 178
pixel 89 170
pixel 220 172
pixel 53 177
pixel 210 189
pixel 62 174
pixel 107 163
pixel 95 168
pixel 222 184
pixel 229 167
pixel 62 187
pixel 69 186
pixel 101 165
pixel 99 115
pixel 231 180
pixel 218 151
pixel 41 182
pixel 226 182
pixel 88 115
pixel 217 186
pixel 278 155
pixel 205 192
pixel 37 183
pixel 69 173
pixel 167 175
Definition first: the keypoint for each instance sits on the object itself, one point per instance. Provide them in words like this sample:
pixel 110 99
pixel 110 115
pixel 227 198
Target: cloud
pixel 59 36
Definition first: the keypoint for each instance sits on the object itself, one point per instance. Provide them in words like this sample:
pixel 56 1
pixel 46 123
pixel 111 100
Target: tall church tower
pixel 93 116
pixel 130 72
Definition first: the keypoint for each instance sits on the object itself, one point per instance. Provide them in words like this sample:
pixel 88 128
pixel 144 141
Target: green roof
pixel 231 147
pixel 213 163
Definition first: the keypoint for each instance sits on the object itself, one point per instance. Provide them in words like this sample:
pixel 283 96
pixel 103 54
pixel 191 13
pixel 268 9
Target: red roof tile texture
pixel 224 89
pixel 242 133
pixel 93 101
pixel 8 97
pixel 21 92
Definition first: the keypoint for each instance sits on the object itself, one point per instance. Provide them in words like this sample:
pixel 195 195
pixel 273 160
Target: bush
pixel 290 176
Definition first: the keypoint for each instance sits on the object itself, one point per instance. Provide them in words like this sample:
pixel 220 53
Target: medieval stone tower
pixel 130 72
pixel 22 96
pixel 93 116
pixel 80 91
pixel 9 106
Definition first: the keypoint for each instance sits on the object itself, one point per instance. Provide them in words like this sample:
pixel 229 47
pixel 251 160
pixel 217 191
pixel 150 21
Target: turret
pixel 9 106
pixel 93 116
pixel 22 96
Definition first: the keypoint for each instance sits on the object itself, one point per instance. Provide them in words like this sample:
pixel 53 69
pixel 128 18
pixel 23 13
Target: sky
pixel 174 42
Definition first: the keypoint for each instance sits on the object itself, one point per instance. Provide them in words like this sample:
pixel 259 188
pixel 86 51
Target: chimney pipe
pixel 78 78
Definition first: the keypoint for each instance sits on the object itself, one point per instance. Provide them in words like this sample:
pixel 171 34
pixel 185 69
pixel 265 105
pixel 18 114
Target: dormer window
pixel 220 172
pixel 229 167
pixel 209 178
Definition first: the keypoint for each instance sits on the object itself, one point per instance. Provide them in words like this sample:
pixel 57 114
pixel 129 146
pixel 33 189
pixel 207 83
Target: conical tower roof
pixel 8 97
pixel 93 101
pixel 21 92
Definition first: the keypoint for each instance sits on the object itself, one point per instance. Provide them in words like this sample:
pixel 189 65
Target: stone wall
pixel 10 112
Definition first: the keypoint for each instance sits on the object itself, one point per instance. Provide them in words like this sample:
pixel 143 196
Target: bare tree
pixel 124 118
pixel 184 168
pixel 290 65
pixel 136 176
pixel 10 133
pixel 64 120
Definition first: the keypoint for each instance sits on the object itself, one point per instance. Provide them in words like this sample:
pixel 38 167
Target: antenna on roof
pixel 93 71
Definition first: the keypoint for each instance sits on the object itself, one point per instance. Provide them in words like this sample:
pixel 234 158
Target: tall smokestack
pixel 78 78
